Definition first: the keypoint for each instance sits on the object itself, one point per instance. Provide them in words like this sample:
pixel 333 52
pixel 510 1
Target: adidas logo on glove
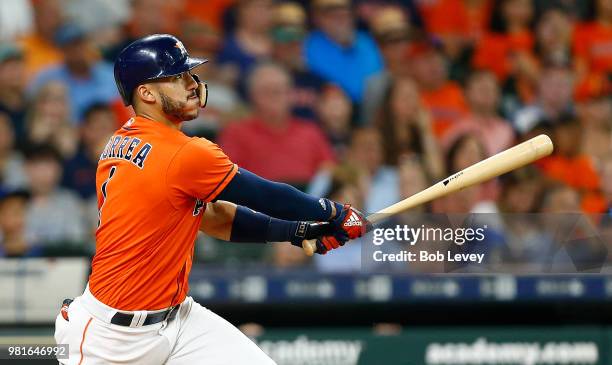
pixel 353 221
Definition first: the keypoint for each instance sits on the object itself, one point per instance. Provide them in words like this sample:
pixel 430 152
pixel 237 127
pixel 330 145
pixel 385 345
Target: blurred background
pixel 365 102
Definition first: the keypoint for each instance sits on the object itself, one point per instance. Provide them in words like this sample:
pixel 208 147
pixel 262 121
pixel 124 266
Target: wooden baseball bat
pixel 499 164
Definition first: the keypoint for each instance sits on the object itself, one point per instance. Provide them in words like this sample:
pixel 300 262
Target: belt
pixel 125 319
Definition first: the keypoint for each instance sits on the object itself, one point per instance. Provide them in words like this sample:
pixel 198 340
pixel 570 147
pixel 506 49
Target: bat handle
pixel 309 246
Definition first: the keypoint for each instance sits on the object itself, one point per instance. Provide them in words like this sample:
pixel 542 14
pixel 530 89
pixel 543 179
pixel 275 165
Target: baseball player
pixel 156 189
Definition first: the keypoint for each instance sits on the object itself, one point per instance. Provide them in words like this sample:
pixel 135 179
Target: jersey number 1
pixel 104 190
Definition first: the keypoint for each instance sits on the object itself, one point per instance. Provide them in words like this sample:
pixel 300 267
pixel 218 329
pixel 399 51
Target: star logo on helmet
pixel 180 46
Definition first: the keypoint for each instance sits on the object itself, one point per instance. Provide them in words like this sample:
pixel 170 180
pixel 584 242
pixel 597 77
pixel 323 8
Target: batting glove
pixel 310 231
pixel 348 225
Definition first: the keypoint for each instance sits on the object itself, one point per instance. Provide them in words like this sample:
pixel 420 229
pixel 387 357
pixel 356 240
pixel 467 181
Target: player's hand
pixel 348 225
pixel 310 231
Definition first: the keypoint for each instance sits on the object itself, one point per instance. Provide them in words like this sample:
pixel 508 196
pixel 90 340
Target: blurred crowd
pixel 362 101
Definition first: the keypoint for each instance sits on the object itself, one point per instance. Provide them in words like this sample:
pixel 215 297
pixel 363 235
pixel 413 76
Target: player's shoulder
pixel 198 144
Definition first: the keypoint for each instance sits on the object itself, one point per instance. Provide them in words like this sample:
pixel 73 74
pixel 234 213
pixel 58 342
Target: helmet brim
pixel 194 62
pixel 189 64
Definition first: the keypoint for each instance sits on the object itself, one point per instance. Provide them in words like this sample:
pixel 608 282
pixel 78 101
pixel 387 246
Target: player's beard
pixel 177 109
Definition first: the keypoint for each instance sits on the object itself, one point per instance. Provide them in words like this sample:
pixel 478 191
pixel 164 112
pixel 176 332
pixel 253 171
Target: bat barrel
pixel 499 164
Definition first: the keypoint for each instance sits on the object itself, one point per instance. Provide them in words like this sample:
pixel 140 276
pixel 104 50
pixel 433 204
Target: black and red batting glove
pixel 347 225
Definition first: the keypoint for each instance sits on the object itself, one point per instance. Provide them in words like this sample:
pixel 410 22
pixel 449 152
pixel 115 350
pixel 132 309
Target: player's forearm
pixel 228 222
pixel 218 219
pixel 277 199
pixel 252 226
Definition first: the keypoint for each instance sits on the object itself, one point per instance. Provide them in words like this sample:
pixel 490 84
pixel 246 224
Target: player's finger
pixel 309 246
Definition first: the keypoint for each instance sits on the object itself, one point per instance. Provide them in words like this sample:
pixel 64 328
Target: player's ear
pixel 145 93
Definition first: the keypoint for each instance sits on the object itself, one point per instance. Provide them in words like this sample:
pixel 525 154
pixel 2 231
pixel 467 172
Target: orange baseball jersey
pixel 153 183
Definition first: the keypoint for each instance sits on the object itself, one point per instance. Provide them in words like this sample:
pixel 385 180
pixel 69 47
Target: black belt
pixel 125 319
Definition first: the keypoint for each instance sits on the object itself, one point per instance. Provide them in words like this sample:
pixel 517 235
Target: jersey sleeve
pixel 200 170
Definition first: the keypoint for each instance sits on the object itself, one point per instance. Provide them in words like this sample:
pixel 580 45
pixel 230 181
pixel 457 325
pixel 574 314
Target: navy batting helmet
pixel 149 58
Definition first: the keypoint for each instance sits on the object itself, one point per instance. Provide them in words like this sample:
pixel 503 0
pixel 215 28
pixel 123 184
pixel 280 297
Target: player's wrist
pixel 334 208
pixel 252 226
pixel 308 231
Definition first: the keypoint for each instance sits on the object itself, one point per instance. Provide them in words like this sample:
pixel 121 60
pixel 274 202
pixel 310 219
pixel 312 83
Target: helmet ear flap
pixel 202 91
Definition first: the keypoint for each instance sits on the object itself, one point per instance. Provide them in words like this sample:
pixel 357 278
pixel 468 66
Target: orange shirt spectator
pixel 483 97
pixel 570 165
pixel 39 54
pixel 456 17
pixel 446 104
pixel 443 98
pixel 593 203
pixel 593 46
pixel 209 11
pixel 39 47
pixel 575 171
pixel 499 52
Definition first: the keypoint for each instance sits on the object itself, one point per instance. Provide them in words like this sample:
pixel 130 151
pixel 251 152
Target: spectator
pixel 209 12
pixel 572 246
pixel 413 179
pixel 596 120
pixel 250 41
pixel 12 88
pixel 591 45
pixel 288 35
pixel 576 9
pixel 80 171
pixel 593 42
pixel 533 241
pixel 483 95
pixel 12 175
pixel 39 47
pixel 351 56
pixel 458 23
pixel 554 38
pixel 146 17
pixel 568 164
pixel 464 152
pixel 109 16
pixel 392 33
pixel 223 101
pixel 508 49
pixel 334 112
pixel 48 120
pixel 54 214
pixel 365 153
pixel 88 80
pixel 444 98
pixel 520 191
pixel 606 175
pixel 366 10
pixel 520 195
pixel 13 239
pixel 271 142
pixel 406 128
pixel 555 90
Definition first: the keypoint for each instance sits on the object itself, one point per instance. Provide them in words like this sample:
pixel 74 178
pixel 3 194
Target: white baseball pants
pixel 194 336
